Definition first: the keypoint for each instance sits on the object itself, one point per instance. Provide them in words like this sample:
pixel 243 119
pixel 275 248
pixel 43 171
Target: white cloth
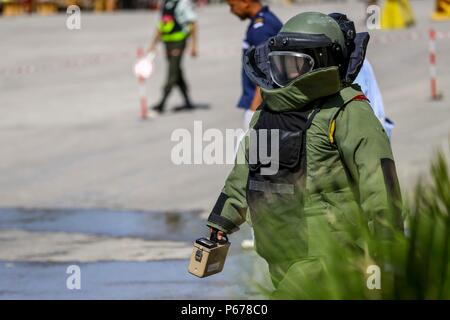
pixel 369 86
pixel 185 13
pixel 248 114
pixel 144 67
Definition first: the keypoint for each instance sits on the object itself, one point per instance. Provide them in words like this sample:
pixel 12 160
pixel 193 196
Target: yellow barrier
pixel 397 14
pixel 46 8
pixel 104 5
pixel 442 12
pixel 13 8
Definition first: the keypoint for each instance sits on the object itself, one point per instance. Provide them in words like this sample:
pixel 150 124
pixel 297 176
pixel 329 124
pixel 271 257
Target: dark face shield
pixel 286 66
pixel 285 57
pixel 280 71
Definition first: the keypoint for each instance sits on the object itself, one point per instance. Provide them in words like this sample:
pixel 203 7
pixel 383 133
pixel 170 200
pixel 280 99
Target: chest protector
pixel 283 190
pixel 286 186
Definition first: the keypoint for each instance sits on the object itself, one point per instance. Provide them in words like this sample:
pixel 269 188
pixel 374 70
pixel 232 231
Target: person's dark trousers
pixel 174 54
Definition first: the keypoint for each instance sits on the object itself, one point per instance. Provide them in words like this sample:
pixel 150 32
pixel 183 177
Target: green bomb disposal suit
pixel 334 159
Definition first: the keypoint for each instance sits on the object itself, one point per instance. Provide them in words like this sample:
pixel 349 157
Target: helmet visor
pixel 286 66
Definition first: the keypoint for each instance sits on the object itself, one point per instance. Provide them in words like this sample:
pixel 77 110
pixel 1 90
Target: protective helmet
pixel 308 41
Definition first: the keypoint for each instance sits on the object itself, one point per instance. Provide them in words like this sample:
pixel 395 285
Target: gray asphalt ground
pixel 85 181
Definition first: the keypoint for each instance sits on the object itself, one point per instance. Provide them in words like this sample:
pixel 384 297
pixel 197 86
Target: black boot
pixel 158 108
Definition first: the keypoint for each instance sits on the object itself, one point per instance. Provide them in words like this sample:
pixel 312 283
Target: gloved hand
pixel 216 235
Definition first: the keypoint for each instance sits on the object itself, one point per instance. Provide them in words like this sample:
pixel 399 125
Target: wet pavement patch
pixel 125 280
pixel 169 225
pixel 121 254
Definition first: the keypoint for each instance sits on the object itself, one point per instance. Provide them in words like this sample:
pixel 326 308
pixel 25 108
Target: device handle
pixel 213 237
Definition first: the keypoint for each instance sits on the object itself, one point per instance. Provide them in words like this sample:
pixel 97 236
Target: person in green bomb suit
pixel 334 157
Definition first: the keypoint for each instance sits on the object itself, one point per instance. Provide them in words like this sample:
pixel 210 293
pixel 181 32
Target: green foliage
pixel 413 264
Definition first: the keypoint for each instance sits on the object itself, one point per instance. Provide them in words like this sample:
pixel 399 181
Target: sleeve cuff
pixel 222 223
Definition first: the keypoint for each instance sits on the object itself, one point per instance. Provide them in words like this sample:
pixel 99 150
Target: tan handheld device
pixel 208 257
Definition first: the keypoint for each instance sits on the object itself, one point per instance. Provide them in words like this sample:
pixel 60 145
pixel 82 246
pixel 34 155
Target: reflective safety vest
pixel 171 29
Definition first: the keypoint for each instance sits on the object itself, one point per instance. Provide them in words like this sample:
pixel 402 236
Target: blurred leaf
pixel 413 265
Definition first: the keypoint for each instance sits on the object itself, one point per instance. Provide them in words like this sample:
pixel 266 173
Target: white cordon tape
pixel 81 61
pixel 406 36
pixel 232 50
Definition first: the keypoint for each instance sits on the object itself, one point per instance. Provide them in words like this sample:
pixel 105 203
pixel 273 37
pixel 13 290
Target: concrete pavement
pixel 72 142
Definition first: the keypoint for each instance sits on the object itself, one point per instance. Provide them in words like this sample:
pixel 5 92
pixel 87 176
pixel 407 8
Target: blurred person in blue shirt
pixel 263 25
